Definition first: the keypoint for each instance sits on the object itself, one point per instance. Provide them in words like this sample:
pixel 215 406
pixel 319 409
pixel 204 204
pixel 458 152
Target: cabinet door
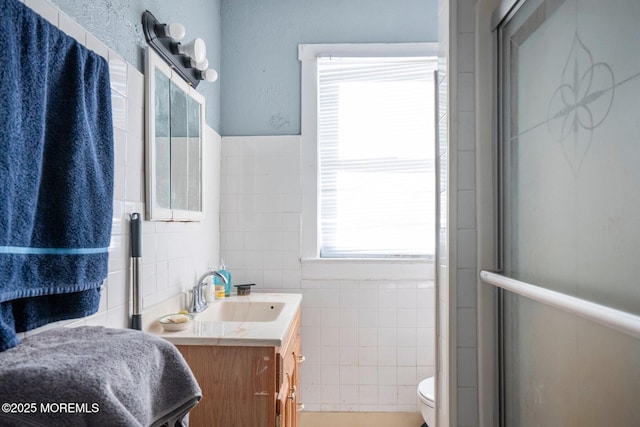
pixel 292 361
pixel 291 403
pixel 297 406
pixel 289 377
pixel 238 385
pixel 283 403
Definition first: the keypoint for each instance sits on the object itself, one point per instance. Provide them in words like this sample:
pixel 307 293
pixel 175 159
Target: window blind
pixel 376 141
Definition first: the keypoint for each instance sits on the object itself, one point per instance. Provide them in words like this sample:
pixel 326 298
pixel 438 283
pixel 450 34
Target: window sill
pixel 367 269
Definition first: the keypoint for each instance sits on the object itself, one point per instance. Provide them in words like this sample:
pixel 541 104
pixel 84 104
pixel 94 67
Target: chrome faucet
pixel 198 302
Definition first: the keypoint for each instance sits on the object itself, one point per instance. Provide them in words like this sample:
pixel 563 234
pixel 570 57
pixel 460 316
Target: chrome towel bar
pixel 616 319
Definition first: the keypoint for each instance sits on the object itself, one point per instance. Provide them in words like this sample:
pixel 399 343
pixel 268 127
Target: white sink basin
pixel 242 311
pixel 258 319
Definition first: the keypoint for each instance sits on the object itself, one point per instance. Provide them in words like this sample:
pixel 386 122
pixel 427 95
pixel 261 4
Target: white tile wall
pixel 367 343
pixel 364 342
pixel 174 254
pixel 457 372
pixel 465 222
pixel 465 16
pixel 260 210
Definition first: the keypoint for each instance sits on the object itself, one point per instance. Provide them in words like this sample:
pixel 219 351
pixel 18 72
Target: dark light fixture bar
pixel 188 60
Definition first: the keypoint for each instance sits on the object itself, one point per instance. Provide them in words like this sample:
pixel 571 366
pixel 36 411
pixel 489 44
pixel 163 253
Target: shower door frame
pixel 501 16
pixel 490 228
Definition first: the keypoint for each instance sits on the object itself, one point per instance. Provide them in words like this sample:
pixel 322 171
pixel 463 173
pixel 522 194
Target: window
pixel 376 157
pixel 374 153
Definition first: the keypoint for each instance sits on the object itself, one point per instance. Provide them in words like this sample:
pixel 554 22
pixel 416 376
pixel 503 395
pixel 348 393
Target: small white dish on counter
pixel 176 322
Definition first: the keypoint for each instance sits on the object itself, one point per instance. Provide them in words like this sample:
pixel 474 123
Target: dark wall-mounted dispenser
pixel 136 255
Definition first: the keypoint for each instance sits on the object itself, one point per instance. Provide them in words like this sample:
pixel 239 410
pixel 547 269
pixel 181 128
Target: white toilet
pixel 427 400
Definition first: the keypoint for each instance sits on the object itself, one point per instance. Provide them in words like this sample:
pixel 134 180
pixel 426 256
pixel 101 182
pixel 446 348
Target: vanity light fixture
pixel 189 60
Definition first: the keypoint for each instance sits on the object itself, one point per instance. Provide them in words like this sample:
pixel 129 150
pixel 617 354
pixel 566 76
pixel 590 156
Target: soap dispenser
pixel 227 286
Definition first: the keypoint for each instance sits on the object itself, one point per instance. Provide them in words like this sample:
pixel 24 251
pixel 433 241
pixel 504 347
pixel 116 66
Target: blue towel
pixel 56 174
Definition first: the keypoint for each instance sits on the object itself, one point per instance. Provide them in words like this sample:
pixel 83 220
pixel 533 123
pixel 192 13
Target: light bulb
pixel 201 66
pixel 196 49
pixel 209 75
pixel 175 30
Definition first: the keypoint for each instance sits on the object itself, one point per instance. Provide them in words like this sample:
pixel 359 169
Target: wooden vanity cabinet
pixel 247 386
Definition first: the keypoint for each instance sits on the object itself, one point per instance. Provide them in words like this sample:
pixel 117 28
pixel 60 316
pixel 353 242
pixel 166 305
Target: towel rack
pixel 616 319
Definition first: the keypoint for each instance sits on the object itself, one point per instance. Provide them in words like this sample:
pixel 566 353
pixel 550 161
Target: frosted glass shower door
pixel 570 156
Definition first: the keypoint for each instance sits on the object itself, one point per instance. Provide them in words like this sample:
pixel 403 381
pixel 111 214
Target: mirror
pixel 174 155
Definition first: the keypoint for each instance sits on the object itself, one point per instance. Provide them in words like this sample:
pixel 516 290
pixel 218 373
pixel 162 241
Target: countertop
pixel 252 334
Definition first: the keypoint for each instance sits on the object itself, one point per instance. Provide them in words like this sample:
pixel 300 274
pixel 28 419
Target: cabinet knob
pixel 300 407
pixel 301 359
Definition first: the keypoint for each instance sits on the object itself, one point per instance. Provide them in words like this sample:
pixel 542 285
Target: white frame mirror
pixel 174 144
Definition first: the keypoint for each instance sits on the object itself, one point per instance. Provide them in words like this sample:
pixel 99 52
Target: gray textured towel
pixel 95 376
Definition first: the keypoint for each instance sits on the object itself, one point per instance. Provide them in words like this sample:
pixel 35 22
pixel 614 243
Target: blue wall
pixel 254 45
pixel 260 75
pixel 117 24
